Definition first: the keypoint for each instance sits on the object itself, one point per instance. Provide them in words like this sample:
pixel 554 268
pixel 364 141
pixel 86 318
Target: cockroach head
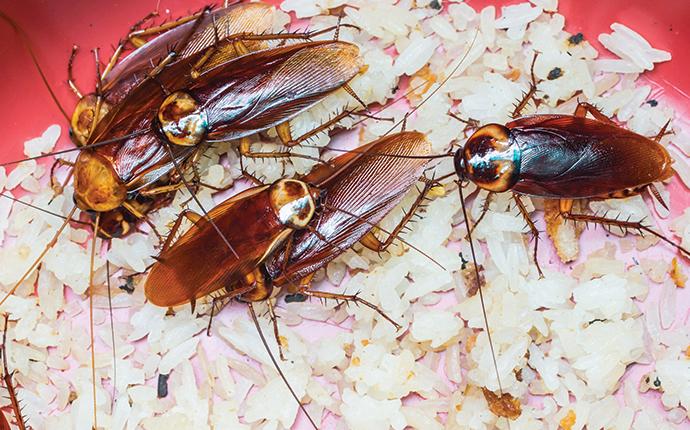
pixel 490 158
pixel 83 118
pixel 294 202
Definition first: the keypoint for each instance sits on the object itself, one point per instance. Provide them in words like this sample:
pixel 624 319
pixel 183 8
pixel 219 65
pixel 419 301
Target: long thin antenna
pixel 46 211
pixel 196 200
pixel 479 287
pixel 93 343
pixel 78 148
pixel 38 260
pixel 112 330
pixel 25 39
pixel 275 363
pixel 385 231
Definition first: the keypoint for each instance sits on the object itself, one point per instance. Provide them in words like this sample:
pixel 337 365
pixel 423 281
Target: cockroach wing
pixel 254 18
pixel 564 156
pixel 4 424
pixel 200 262
pixel 357 196
pixel 268 87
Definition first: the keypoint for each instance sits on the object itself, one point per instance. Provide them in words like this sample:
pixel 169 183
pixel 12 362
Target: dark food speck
pixel 575 39
pixel 555 73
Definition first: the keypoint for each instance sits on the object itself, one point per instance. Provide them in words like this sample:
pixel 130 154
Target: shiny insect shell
pixel 566 157
pixel 286 231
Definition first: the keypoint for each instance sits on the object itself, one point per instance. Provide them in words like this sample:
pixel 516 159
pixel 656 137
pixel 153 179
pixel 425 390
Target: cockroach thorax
pixel 491 158
pixel 294 202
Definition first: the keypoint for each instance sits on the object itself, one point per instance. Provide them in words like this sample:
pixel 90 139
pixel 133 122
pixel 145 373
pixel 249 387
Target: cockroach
pixel 141 146
pixel 287 230
pixel 121 76
pixel 559 157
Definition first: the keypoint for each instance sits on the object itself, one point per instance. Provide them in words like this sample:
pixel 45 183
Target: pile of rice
pixel 584 347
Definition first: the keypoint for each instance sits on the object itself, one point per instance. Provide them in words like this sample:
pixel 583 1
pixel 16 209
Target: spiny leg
pixel 219 302
pixel 533 229
pixel 348 298
pixel 70 77
pixel 192 216
pixel 522 104
pixel 583 108
pixel 142 217
pixel 58 187
pixel 9 384
pixel 276 332
pixel 624 225
pixel 662 132
pixel 372 242
pixel 485 209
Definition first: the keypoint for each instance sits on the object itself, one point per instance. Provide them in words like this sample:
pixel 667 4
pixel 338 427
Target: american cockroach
pixel 287 230
pixel 120 77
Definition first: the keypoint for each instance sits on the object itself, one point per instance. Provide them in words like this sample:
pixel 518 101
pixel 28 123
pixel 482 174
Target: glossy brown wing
pixel 200 261
pixel 239 18
pixel 564 156
pixel 369 188
pixel 269 87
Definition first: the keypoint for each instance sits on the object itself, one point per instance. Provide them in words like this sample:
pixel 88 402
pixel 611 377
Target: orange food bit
pixel 505 406
pixel 365 342
pixel 687 351
pixel 471 341
pixel 355 361
pixel 677 274
pixel 458 407
pixel 568 421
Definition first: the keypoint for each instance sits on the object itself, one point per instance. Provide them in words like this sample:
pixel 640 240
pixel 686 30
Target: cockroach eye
pixel 181 120
pixel 293 202
pixel 491 159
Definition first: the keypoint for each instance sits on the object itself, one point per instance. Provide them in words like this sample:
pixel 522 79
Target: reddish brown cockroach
pixel 286 231
pixel 120 77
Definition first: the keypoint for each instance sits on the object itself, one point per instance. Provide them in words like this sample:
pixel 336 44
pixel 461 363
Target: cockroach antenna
pixel 255 319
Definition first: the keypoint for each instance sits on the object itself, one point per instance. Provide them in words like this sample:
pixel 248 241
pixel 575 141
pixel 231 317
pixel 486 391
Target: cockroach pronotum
pixel 140 148
pixel 287 230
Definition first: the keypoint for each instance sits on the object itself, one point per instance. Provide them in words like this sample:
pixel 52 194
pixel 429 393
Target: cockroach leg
pixel 583 108
pixel 192 216
pixel 662 132
pixel 624 225
pixel 469 123
pixel 135 33
pixel 9 384
pixel 485 209
pixel 370 240
pixel 70 78
pixel 349 298
pixel 533 229
pixel 527 96
pixel 657 195
pixel 276 332
pixel 58 187
pixel 219 302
